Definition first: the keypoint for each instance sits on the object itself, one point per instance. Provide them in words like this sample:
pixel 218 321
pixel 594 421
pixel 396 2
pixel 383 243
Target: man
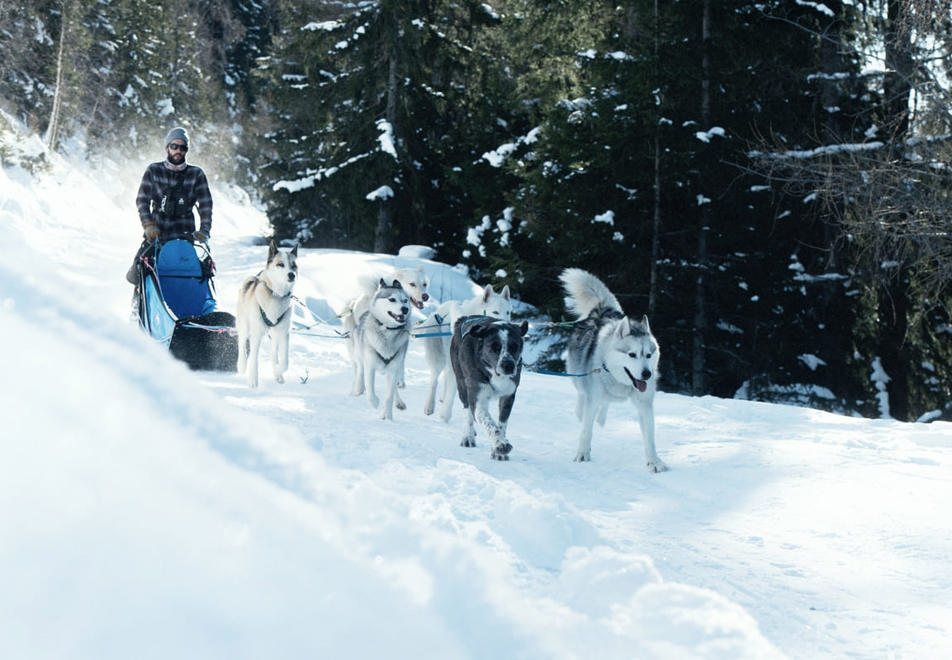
pixel 169 191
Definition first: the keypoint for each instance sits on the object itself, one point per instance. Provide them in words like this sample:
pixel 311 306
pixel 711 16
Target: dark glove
pixel 150 231
pixel 200 236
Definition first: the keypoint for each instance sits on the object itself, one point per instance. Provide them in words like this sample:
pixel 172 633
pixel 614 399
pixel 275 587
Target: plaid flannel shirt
pixel 159 179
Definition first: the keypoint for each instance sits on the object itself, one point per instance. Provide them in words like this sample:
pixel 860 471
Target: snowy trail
pixel 238 518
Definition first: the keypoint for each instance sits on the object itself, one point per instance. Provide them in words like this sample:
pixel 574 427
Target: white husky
pixel 264 308
pixel 612 358
pixel 437 348
pixel 379 343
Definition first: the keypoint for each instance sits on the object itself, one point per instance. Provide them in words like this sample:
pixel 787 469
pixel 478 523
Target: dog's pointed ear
pixel 480 328
pixel 487 293
pixel 505 292
pixel 523 328
pixel 272 250
pixel 396 284
pixel 381 284
pixel 644 322
pixel 623 328
pixel 294 251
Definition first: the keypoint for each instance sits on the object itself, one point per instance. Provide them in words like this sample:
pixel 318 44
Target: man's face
pixel 176 152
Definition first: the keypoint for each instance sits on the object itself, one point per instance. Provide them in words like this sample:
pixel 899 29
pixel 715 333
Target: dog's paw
pixel 583 457
pixel 401 405
pixel 427 410
pixel 279 380
pixel 501 452
pixel 374 400
pixel 468 442
pixel 657 466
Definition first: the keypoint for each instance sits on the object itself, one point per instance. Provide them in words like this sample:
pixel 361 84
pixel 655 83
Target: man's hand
pixel 150 231
pixel 200 236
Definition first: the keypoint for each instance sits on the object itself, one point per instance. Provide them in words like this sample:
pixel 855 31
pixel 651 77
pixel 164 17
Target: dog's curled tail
pixel 585 292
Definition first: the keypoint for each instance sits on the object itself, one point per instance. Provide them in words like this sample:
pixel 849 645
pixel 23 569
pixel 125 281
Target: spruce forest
pixel 767 181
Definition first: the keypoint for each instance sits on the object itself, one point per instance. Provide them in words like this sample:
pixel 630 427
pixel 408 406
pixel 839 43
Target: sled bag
pixel 207 342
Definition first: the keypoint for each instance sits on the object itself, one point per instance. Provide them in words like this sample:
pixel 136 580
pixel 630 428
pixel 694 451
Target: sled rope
pixel 220 329
pixel 317 321
pixel 439 323
pixel 546 372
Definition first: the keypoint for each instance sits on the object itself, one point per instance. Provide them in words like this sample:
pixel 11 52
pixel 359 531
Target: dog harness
pixel 264 317
pixel 387 360
pixel 267 321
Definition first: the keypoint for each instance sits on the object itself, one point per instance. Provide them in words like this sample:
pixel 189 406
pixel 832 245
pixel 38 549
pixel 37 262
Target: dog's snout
pixel 426 297
pixel 405 310
pixel 508 365
pixel 291 276
pixel 645 374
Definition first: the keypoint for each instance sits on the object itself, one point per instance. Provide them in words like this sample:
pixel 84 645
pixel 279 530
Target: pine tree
pixel 375 134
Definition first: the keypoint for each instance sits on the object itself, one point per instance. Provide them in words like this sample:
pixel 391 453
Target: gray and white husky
pixel 413 280
pixel 437 348
pixel 613 359
pixel 486 354
pixel 264 308
pixel 379 343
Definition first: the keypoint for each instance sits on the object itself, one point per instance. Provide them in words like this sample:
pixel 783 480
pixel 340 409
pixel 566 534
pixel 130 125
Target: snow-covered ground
pixel 147 511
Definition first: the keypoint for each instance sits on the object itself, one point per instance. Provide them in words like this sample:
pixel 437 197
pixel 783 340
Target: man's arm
pixel 203 197
pixel 144 198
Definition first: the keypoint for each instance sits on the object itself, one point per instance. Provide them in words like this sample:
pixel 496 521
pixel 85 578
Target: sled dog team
pixel 609 356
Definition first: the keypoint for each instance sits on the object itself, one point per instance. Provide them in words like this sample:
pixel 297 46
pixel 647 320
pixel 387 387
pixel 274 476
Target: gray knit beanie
pixel 176 134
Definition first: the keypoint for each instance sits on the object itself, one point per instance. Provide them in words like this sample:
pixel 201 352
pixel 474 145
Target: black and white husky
pixel 379 342
pixel 264 308
pixel 487 361
pixel 612 358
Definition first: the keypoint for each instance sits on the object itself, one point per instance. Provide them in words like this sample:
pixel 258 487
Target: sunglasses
pixel 178 147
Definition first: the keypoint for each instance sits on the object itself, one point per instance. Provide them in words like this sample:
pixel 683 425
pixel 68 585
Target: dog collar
pixel 387 327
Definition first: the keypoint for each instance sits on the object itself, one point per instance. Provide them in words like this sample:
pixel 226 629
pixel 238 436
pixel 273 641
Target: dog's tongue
pixel 399 318
pixel 417 303
pixel 640 385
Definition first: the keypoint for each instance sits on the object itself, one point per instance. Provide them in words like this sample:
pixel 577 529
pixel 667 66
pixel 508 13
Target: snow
pixel 386 137
pixel 381 193
pixel 152 512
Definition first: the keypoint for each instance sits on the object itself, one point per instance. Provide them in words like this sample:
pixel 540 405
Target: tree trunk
pixel 52 129
pixel 893 292
pixel 893 347
pixel 656 221
pixel 384 229
pixel 699 358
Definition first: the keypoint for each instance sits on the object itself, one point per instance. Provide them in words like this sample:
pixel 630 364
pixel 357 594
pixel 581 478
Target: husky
pixel 486 355
pixel 264 308
pixel 612 357
pixel 437 348
pixel 414 282
pixel 379 343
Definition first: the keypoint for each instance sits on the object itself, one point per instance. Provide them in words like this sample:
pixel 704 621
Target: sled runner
pixel 175 303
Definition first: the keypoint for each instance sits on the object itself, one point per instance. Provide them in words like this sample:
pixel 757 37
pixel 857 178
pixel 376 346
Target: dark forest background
pixel 768 181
